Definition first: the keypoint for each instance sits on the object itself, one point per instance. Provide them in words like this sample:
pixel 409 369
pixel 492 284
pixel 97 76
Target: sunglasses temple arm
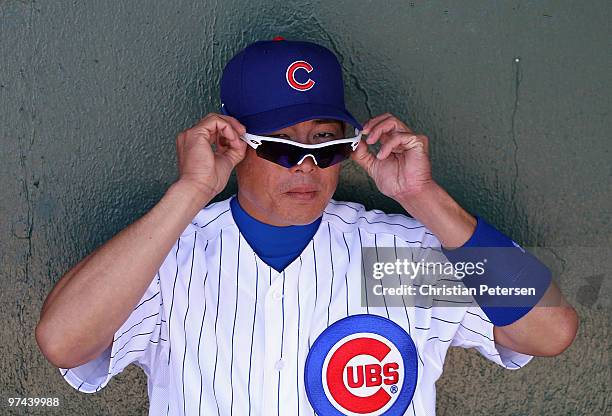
pixel 355 143
pixel 250 141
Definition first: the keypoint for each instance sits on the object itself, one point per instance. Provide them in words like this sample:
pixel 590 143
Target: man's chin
pixel 303 216
pixel 303 221
pixel 303 209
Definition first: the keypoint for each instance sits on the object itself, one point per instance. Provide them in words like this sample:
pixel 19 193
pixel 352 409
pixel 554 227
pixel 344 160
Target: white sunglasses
pixel 288 153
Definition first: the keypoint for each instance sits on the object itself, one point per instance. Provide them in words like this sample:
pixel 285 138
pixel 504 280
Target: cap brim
pixel 279 118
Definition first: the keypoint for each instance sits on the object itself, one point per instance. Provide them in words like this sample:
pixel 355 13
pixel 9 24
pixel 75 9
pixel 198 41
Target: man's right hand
pixel 203 166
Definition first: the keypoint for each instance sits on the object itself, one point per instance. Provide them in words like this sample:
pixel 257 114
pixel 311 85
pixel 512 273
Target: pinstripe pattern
pixel 216 321
pixel 185 319
pixel 178 246
pixel 218 351
pixel 253 331
pixel 297 356
pixel 365 288
pixel 381 282
pixel 278 402
pixel 234 328
pixel 200 342
pixel 331 284
pixel 348 254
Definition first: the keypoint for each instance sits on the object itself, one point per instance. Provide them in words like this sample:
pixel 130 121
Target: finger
pixel 236 152
pixel 212 126
pixel 239 127
pixel 224 142
pixel 425 141
pixel 363 157
pixel 215 127
pixel 420 141
pixel 388 125
pixel 399 143
pixel 375 120
pixel 228 131
pixel 230 128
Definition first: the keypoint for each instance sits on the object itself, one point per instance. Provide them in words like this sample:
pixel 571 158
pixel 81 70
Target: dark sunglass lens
pixel 288 155
pixel 337 159
pixel 282 154
pixel 328 156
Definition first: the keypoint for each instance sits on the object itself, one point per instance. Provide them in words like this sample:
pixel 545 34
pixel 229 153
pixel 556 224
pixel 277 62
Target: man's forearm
pixel 441 214
pixel 86 307
pixel 546 330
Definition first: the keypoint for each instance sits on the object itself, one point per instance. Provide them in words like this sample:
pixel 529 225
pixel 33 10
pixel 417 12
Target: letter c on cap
pixel 290 75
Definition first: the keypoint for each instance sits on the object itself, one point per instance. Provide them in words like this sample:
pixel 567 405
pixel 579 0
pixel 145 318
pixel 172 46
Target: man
pixel 254 305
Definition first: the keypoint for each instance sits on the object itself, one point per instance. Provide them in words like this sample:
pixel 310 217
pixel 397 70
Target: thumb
pixel 363 157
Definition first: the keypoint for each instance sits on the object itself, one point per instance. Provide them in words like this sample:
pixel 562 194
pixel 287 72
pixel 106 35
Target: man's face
pixel 289 196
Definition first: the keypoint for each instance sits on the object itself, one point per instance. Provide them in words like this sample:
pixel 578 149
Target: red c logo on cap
pixel 290 75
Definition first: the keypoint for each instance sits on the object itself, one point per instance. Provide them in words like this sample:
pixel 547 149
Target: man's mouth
pixel 303 193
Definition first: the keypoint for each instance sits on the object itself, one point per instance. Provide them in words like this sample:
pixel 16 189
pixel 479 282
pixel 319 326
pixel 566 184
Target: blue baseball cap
pixel 274 84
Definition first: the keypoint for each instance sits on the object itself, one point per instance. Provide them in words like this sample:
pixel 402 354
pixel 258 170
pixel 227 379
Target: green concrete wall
pixel 513 95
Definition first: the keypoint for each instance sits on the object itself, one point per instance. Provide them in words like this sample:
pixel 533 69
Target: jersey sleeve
pixel 136 341
pixel 476 331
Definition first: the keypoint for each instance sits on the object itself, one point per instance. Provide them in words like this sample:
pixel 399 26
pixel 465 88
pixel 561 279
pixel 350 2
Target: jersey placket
pixel 277 324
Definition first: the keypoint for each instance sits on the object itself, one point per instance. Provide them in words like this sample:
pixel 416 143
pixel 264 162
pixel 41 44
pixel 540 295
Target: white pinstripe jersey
pixel 219 332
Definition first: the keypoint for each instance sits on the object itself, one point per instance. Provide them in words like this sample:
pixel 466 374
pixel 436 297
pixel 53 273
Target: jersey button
pixel 280 364
pixel 278 295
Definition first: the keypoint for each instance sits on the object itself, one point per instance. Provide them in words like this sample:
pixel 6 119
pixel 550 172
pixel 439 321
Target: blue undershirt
pixel 277 246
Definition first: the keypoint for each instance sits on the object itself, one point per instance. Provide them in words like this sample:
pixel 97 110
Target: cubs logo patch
pixel 293 82
pixel 362 365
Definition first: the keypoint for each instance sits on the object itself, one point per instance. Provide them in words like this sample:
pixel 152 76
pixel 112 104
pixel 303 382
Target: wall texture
pixel 513 95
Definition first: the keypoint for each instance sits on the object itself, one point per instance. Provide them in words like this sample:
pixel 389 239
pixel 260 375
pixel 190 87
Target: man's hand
pixel 402 166
pixel 402 171
pixel 199 164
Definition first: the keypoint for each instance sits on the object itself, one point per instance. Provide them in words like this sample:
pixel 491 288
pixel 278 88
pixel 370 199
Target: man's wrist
pixel 418 197
pixel 194 195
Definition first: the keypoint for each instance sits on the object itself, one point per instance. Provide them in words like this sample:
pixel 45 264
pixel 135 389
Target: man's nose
pixel 308 165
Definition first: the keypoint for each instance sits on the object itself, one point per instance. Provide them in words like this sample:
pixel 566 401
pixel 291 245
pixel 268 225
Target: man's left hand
pixel 402 167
